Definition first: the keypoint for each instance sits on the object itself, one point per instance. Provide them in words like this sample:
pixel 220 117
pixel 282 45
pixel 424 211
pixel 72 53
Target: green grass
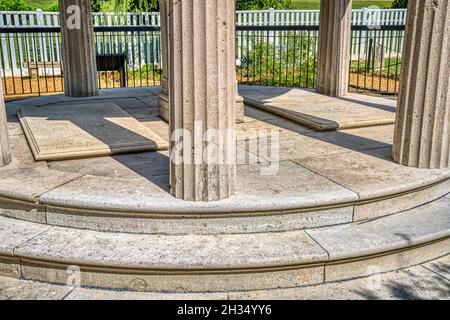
pixel 41 4
pixel 357 4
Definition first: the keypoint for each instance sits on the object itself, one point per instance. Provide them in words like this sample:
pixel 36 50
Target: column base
pixel 163 107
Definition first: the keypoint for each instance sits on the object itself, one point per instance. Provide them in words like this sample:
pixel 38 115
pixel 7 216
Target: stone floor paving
pixel 427 281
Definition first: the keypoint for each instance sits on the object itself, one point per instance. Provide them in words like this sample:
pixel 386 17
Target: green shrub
pixel 263 4
pixel 399 4
pixel 14 5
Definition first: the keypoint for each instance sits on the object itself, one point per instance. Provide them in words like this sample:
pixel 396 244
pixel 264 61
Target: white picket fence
pixel 15 50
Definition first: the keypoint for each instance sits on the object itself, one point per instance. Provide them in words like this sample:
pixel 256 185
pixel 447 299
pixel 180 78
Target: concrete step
pixel 296 198
pixel 210 263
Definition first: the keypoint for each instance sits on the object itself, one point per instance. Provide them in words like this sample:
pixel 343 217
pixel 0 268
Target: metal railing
pixel 287 56
pixel 265 55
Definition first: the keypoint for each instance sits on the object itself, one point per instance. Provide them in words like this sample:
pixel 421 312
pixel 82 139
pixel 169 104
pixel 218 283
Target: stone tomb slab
pixel 71 131
pixel 320 112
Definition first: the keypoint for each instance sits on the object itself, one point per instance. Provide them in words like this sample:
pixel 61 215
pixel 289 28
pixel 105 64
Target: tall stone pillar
pixel 423 114
pixel 79 55
pixel 333 61
pixel 5 152
pixel 202 99
pixel 163 102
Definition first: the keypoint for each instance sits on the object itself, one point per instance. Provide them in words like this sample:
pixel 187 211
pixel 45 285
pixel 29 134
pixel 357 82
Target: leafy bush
pixel 263 4
pixel 398 4
pixel 14 5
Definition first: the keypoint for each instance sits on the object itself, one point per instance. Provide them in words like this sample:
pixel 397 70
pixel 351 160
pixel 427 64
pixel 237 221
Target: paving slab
pixel 14 289
pixel 371 173
pixel 127 166
pixel 92 294
pixel 28 183
pixel 67 131
pixel 13 233
pixel 413 227
pixel 440 266
pixel 359 138
pixel 409 284
pixel 320 112
pixel 291 146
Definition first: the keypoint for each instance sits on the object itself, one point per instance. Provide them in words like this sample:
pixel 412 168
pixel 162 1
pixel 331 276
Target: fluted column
pixel 202 99
pixel 423 115
pixel 163 102
pixel 79 55
pixel 333 61
pixel 5 154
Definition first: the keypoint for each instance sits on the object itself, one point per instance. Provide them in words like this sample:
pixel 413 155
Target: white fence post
pixel 42 42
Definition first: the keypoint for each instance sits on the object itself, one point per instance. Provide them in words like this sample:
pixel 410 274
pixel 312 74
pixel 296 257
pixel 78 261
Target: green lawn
pixel 357 4
pixel 42 4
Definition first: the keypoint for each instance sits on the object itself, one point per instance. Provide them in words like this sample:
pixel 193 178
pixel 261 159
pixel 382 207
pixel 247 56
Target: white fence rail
pixel 26 48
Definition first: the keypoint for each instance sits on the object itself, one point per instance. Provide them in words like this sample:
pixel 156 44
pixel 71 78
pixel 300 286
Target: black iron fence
pixel 287 56
pixel 128 56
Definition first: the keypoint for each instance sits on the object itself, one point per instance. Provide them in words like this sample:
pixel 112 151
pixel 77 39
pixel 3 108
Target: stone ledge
pixel 214 263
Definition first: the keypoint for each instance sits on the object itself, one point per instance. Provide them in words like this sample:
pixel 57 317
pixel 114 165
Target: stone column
pixel 333 61
pixel 79 55
pixel 5 152
pixel 202 99
pixel 423 115
pixel 163 102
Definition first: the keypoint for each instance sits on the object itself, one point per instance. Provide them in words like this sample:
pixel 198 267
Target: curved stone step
pixel 224 262
pixel 297 198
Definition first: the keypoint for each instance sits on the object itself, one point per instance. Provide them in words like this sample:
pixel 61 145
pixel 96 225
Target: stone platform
pixel 335 205
pixel 320 112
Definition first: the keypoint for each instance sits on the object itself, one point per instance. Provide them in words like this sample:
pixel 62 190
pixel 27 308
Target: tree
pixel 263 4
pixel 398 4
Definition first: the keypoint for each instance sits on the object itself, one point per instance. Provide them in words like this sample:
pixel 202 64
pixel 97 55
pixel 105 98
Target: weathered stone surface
pixel 202 99
pixel 386 263
pixel 287 184
pixel 409 284
pixel 22 210
pixel 28 183
pixel 92 294
pixel 202 283
pixel 422 128
pixel 14 289
pixel 150 195
pixel 127 166
pixel 320 112
pixel 5 151
pixel 371 174
pixel 399 203
pixel 333 59
pixel 134 223
pixel 14 233
pixel 159 252
pixel 61 132
pixel 440 266
pixel 78 48
pixel 413 227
